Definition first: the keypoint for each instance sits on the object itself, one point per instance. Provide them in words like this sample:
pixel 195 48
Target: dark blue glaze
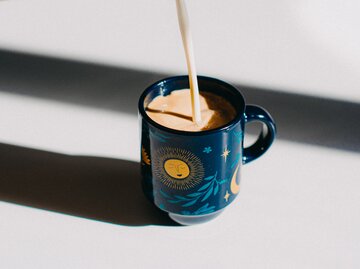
pixel 194 175
pixel 266 137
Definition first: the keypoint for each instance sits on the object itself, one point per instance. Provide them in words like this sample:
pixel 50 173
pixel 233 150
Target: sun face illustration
pixel 177 168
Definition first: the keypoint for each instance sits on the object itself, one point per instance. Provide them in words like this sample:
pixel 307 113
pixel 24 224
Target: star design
pixel 225 153
pixel 226 197
pixel 207 150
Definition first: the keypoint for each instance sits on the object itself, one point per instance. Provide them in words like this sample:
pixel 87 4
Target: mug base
pixel 193 220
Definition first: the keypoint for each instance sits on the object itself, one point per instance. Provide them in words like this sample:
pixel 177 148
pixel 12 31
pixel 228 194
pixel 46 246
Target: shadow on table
pixel 300 118
pixel 102 189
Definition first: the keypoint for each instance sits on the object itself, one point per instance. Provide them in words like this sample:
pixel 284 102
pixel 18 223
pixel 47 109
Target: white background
pixel 299 205
pixel 306 46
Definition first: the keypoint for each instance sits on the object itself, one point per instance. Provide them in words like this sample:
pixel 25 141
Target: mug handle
pixel 266 137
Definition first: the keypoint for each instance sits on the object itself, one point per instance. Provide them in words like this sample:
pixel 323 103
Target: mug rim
pixel 228 125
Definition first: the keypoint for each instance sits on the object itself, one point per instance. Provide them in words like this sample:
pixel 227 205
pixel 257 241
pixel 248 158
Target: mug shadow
pixel 97 188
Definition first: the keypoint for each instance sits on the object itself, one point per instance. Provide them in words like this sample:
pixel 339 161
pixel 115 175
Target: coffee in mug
pixel 193 173
pixel 174 111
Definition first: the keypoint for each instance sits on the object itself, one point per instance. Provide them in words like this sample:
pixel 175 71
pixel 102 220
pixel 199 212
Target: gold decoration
pixel 145 156
pixel 226 197
pixel 225 153
pixel 234 186
pixel 177 168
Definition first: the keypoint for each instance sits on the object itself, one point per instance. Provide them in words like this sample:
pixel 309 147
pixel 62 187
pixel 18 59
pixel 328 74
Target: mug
pixel 194 175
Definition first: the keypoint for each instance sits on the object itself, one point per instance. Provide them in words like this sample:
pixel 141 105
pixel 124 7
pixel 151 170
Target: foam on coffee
pixel 174 111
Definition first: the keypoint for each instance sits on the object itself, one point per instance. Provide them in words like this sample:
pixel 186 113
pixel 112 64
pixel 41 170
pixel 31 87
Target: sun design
pixel 144 156
pixel 177 168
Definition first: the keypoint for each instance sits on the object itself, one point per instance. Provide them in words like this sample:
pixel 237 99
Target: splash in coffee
pixel 174 111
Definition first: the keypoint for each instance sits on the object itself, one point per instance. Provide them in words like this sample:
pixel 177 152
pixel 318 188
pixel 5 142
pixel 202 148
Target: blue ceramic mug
pixel 194 175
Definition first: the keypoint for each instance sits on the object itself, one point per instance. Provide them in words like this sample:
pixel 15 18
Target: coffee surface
pixel 174 111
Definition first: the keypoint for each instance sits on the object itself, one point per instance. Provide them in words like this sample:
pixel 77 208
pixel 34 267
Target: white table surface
pixel 299 205
pixel 300 46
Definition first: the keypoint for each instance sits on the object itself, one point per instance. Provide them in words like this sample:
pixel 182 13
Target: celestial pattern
pixel 234 186
pixel 226 197
pixel 145 156
pixel 179 176
pixel 207 150
pixel 225 153
pixel 181 156
pixel 176 168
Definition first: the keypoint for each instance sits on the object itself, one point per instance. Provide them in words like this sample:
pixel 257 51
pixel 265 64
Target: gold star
pixel 225 153
pixel 226 197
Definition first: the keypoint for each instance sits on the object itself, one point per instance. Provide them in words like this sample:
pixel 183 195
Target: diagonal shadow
pixel 97 188
pixel 299 118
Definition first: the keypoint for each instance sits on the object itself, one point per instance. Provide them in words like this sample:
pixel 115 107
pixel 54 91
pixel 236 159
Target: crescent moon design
pixel 235 187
